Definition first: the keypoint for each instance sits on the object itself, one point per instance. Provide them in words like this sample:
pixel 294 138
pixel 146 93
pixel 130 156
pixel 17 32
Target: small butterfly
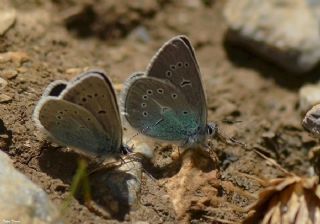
pixel 168 102
pixel 83 114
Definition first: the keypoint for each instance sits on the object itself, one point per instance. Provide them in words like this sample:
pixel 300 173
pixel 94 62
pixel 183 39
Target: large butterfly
pixel 168 102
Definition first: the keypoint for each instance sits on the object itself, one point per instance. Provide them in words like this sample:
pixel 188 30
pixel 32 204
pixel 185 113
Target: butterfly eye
pixel 160 91
pixel 168 74
pixel 212 129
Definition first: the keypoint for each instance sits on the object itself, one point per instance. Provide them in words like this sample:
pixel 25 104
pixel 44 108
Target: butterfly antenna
pixel 144 130
pixel 227 121
pixel 229 140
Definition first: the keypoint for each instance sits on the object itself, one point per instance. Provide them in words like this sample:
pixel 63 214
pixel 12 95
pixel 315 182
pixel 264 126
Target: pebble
pixel 21 200
pixel 273 29
pixel 311 121
pixel 309 95
pixel 9 74
pixel 140 34
pixel 116 190
pixel 3 83
pixel 7 19
pixel 5 98
pixel 16 57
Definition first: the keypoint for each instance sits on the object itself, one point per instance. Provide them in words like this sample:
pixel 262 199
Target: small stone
pixel 7 19
pixel 16 57
pixel 21 200
pixel 118 87
pixel 5 98
pixel 9 74
pixel 117 189
pixel 311 121
pixel 140 34
pixel 3 83
pixel 273 30
pixel 309 95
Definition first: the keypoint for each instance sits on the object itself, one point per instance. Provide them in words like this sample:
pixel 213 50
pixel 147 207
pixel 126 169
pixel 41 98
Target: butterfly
pixel 83 114
pixel 167 102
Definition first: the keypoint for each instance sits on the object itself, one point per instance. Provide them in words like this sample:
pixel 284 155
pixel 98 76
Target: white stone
pixel 7 19
pixel 311 121
pixel 21 200
pixel 284 31
pixel 3 83
pixel 309 95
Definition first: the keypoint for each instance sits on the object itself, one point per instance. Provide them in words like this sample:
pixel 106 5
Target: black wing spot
pixel 186 64
pixel 60 112
pixel 145 97
pixel 174 96
pixel 90 96
pixel 84 99
pixel 75 112
pixel 160 91
pixel 185 112
pixel 96 94
pixel 185 83
pixel 143 105
pixel 102 112
pixel 59 117
pixel 149 92
pixel 88 119
pixel 179 64
pixel 145 113
pixel 168 74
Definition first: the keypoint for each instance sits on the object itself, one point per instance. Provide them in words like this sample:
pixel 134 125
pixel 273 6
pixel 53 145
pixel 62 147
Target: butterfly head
pixel 211 129
pixel 125 150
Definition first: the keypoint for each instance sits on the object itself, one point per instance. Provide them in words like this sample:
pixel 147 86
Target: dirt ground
pixel 59 39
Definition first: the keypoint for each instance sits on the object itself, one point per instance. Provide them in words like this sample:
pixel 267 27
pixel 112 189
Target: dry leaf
pixel 289 200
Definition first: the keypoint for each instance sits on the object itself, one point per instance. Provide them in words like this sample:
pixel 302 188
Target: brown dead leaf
pixel 289 200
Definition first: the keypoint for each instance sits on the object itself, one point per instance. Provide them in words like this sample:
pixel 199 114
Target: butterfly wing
pixel 158 109
pixel 93 91
pixel 175 62
pixel 72 125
